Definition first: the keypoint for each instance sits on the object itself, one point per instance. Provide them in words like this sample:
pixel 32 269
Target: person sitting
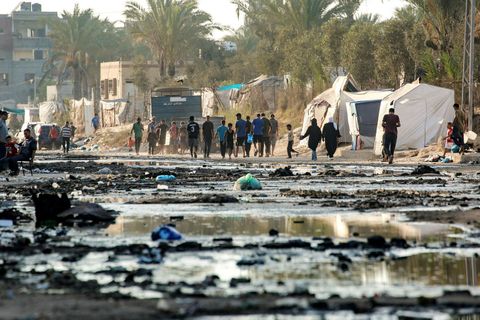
pixel 27 152
pixel 11 151
pixel 11 148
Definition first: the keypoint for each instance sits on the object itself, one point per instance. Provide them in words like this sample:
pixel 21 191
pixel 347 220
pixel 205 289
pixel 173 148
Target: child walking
pixel 229 138
pixel 290 142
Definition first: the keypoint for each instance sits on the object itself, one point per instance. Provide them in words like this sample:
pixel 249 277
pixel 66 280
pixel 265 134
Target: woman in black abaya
pixel 330 135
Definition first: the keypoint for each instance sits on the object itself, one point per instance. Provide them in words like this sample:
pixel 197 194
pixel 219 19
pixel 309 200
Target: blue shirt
pixel 241 128
pixel 221 132
pixel 258 127
pixel 95 121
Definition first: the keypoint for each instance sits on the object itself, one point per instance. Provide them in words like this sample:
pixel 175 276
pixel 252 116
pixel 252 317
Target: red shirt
pixel 449 135
pixel 390 123
pixel 11 150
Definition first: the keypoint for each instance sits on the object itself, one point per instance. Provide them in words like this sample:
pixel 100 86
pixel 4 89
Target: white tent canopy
pixel 332 103
pixel 424 112
pixel 362 109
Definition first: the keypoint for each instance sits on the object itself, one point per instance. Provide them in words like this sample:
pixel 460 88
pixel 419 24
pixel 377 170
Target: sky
pixel 222 11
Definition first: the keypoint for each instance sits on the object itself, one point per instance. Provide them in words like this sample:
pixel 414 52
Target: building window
pixel 2 31
pixel 115 85
pixel 3 79
pixel 40 33
pixel 110 85
pixel 38 54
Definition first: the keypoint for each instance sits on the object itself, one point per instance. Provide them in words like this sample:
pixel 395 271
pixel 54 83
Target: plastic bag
pixel 165 178
pixel 250 138
pixel 166 233
pixel 247 182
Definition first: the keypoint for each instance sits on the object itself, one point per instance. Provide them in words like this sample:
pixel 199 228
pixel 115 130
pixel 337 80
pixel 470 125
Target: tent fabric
pixel 52 112
pixel 209 103
pixel 14 111
pixel 237 86
pixel 81 114
pixel 262 92
pixel 424 112
pixel 363 120
pixel 332 103
pixel 116 112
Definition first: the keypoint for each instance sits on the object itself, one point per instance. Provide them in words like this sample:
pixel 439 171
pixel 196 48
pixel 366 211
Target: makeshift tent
pixel 332 103
pixel 262 93
pixel 424 112
pixel 52 112
pixel 116 112
pixel 81 115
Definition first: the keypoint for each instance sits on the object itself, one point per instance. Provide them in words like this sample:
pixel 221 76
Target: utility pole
pixel 468 85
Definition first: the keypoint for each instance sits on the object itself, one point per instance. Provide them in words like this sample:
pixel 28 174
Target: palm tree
pixel 76 42
pixel 442 21
pixel 297 15
pixel 169 28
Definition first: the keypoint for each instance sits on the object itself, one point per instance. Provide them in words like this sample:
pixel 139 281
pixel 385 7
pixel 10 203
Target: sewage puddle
pixel 220 221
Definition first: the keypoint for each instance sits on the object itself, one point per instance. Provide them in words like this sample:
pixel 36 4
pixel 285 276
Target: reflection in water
pixel 305 226
pixel 423 270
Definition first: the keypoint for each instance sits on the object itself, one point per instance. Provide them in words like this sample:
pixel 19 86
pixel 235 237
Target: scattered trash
pixel 105 171
pixel 87 212
pixel 166 178
pixel 166 233
pixel 433 158
pixel 273 233
pixel 55 185
pixel 423 169
pixel 215 198
pixel 6 223
pixel 49 205
pixel 247 182
pixel 162 187
pixel 282 172
pixel 176 218
pixel 447 160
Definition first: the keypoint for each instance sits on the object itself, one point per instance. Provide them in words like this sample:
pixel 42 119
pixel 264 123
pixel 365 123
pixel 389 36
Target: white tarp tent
pixel 332 103
pixel 82 113
pixel 424 112
pixel 362 114
pixel 52 112
pixel 327 103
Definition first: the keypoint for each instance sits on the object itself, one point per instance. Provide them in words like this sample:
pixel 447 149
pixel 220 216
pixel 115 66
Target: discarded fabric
pixel 166 233
pixel 247 182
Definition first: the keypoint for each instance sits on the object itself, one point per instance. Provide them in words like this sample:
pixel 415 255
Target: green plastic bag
pixel 247 182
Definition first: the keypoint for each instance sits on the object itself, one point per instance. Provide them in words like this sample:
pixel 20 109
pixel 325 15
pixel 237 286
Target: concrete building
pixel 117 79
pixel 24 48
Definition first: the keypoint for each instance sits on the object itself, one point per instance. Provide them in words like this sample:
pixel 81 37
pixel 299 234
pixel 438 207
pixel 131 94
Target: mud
pixel 316 241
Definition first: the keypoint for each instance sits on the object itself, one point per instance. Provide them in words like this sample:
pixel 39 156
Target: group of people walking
pixel 233 139
pixel 261 133
pixel 329 134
